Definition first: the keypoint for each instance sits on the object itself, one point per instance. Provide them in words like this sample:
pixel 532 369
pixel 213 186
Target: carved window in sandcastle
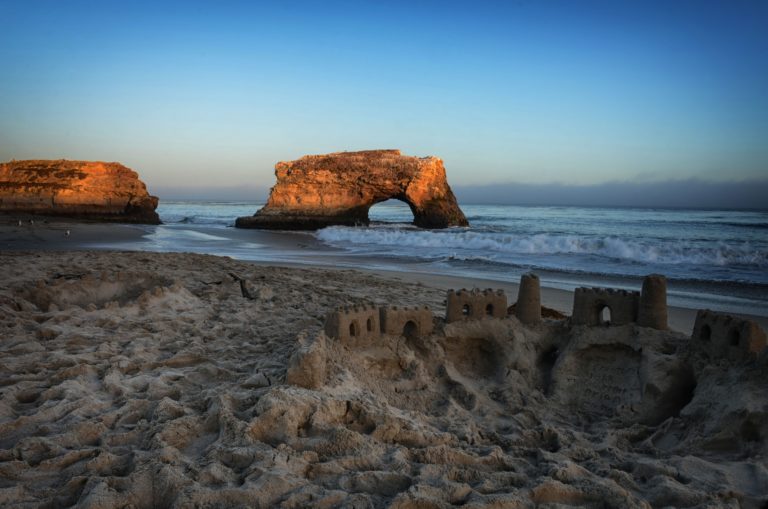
pixel 489 310
pixel 354 329
pixel 466 310
pixel 706 333
pixel 410 329
pixel 369 324
pixel 604 314
pixel 734 337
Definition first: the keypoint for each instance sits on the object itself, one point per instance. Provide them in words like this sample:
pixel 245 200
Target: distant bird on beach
pixel 66 233
pixel 19 222
pixel 31 221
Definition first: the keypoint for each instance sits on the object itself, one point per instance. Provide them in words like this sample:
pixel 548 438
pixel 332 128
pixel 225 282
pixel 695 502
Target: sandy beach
pixel 139 379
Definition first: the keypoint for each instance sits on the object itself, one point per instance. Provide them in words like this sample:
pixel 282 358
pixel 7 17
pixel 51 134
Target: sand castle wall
pixel 590 303
pixel 475 305
pixel 364 323
pixel 719 335
pixel 406 321
pixel 354 323
pixel 647 308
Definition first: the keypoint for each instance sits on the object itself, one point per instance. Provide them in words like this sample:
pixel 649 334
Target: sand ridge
pixel 159 380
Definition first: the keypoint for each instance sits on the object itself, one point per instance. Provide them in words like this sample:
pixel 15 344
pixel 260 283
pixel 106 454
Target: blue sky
pixel 209 96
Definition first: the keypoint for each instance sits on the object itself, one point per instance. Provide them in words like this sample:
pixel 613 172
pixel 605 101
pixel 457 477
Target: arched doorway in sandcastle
pixel 734 338
pixel 604 314
pixel 410 330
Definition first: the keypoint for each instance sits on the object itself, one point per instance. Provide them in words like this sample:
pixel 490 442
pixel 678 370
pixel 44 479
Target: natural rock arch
pixel 339 189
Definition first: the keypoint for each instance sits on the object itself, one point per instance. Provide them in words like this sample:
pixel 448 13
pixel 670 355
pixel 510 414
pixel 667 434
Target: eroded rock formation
pixel 339 189
pixel 79 189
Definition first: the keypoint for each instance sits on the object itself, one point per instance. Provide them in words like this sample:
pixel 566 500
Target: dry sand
pixel 148 380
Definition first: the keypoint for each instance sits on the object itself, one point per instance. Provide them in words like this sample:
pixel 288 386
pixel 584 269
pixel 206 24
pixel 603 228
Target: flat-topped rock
pixel 339 189
pixel 78 189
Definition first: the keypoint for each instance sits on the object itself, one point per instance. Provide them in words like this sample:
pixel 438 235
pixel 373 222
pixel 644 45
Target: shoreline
pixel 297 250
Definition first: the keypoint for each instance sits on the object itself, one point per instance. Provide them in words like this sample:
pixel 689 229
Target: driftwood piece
pixel 243 287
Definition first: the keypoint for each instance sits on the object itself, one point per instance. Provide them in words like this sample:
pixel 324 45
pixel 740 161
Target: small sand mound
pixel 93 289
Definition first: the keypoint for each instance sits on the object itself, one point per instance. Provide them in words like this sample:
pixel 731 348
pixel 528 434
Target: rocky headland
pixel 339 189
pixel 78 189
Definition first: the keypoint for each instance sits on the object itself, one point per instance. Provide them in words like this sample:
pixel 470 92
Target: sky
pixel 203 98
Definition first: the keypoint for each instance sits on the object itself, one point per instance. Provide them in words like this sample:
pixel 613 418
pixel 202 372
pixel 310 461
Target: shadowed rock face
pixel 339 189
pixel 79 189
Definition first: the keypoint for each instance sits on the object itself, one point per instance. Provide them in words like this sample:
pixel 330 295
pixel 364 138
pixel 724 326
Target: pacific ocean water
pixel 712 258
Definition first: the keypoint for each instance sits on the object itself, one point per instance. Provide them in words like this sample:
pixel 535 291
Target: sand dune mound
pixel 197 381
pixel 89 289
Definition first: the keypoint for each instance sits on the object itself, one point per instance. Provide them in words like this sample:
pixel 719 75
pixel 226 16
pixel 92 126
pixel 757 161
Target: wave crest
pixel 614 247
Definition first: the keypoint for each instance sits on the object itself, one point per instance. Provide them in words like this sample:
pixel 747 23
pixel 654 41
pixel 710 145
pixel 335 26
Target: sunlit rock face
pixel 78 189
pixel 340 188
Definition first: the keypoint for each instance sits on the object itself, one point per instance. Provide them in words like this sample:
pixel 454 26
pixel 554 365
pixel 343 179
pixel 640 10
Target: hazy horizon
pixel 691 194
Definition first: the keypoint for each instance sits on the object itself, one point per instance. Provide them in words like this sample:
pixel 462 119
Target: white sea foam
pixel 627 249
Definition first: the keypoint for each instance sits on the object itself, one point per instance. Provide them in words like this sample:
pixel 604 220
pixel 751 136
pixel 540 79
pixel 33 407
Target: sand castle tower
pixel 528 308
pixel 652 311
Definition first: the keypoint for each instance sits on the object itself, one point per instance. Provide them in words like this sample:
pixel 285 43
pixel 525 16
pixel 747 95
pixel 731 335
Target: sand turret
pixel 528 309
pixel 652 310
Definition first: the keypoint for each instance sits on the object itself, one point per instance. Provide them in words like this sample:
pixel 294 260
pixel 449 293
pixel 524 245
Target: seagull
pixel 19 222
pixel 66 233
pixel 31 221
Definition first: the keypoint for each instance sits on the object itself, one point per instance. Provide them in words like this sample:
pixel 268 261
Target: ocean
pixel 715 259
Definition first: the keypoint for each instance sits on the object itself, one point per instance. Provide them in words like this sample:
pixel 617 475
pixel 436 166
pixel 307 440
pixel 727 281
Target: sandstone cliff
pixel 79 189
pixel 340 188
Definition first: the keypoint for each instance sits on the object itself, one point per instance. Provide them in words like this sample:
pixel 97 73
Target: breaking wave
pixel 645 251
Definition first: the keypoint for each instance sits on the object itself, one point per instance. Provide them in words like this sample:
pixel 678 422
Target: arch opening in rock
pixel 489 310
pixel 393 210
pixel 339 189
pixel 354 329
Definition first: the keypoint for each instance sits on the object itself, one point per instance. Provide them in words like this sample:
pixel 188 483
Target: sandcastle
pixel 717 335
pixel 601 306
pixel 366 322
pixel 475 304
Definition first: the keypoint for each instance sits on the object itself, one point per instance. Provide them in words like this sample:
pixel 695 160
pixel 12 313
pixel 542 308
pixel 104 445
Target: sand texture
pixel 142 380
